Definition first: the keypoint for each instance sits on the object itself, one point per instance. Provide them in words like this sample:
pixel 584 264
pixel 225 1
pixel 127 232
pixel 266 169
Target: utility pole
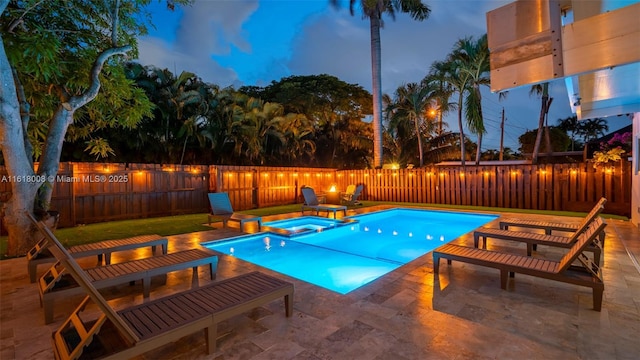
pixel 502 136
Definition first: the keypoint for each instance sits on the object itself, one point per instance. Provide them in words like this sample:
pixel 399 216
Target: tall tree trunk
pixel 17 160
pixel 416 122
pixel 543 111
pixel 479 149
pixel 462 150
pixel 376 68
pixel 24 183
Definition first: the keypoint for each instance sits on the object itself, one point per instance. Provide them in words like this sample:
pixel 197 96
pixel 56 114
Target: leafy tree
pixel 329 103
pixel 471 58
pixel 55 58
pixel 409 108
pixel 459 81
pixel 373 10
pixel 591 129
pixel 437 77
pixel 559 139
pixel 571 126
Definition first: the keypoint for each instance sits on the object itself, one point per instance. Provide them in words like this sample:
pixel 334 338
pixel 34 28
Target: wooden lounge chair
pixel 588 274
pixel 135 330
pixel 311 203
pixel 40 254
pixel 534 239
pixel 352 198
pixel 56 283
pixel 549 227
pixel 221 207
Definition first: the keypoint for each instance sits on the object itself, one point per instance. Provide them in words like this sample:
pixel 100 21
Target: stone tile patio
pixel 406 314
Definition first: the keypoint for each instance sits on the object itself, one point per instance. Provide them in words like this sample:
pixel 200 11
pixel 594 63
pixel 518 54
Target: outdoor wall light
pixel 461 174
pixel 295 174
pixel 307 174
pixel 441 174
pixel 574 171
pixel 486 173
pixel 514 173
pixel 351 174
pixel 430 173
pixel 280 175
pixel 366 175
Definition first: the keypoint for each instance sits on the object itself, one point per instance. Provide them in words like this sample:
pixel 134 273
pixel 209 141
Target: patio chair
pixel 56 283
pixel 534 239
pixel 221 207
pixel 348 192
pixel 588 275
pixel 311 203
pixel 40 253
pixel 549 227
pixel 137 329
pixel 352 198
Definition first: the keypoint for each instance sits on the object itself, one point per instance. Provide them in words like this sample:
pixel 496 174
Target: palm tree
pixel 373 9
pixel 471 60
pixel 571 126
pixel 591 129
pixel 411 105
pixel 444 91
pixel 460 82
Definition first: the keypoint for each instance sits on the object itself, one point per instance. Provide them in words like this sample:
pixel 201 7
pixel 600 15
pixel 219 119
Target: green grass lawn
pixel 181 224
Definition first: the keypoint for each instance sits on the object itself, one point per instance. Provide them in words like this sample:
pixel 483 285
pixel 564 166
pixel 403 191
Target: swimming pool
pixel 344 258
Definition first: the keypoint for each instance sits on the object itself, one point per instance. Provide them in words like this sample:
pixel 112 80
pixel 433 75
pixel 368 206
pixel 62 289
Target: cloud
pixel 206 29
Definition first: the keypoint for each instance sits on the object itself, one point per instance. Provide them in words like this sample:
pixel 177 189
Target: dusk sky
pixel 252 42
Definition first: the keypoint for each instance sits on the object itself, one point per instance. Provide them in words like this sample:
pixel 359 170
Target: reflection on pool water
pixel 346 257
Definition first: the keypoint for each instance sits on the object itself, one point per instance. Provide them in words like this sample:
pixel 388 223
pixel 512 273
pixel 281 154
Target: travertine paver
pixel 406 314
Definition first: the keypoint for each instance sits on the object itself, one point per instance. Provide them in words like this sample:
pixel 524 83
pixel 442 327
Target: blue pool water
pixel 346 257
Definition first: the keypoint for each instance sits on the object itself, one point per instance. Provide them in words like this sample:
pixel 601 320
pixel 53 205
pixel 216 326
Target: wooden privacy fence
pixel 253 187
pixel 93 192
pixel 567 187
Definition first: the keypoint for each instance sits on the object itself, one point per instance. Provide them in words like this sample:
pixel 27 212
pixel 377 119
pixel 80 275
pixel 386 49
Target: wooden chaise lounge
pixel 40 254
pixel 549 227
pixel 56 283
pixel 534 239
pixel 135 330
pixel 588 274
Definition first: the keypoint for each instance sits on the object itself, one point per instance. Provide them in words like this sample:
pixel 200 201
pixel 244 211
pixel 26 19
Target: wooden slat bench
pixel 135 330
pixel 40 254
pixel 549 227
pixel 57 283
pixel 534 239
pixel 588 274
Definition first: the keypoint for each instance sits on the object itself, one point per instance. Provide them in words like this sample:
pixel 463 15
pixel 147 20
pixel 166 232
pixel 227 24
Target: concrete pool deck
pixel 406 314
